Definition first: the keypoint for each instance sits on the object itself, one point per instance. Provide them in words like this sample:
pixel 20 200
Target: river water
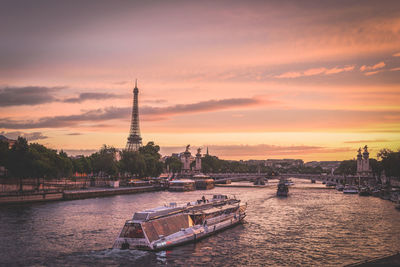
pixel 313 226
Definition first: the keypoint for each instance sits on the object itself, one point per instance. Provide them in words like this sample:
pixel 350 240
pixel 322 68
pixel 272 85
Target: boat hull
pixel 185 236
pixel 282 194
pixel 350 192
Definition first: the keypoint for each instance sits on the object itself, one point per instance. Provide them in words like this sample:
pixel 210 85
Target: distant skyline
pixel 313 80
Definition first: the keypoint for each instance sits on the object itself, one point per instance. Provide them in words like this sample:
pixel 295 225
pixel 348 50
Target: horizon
pixel 175 150
pixel 258 80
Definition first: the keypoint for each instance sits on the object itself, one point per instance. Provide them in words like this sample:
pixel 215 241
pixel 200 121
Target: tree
pixel 4 153
pixel 390 162
pixel 151 156
pixel 64 165
pixel 210 164
pixel 82 164
pixel 376 167
pixel 347 167
pixel 132 162
pixel 174 163
pixel 105 161
pixel 18 163
pixel 42 161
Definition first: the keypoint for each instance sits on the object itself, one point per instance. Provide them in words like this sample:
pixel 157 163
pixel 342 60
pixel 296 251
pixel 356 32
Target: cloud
pixel 395 69
pixel 75 134
pixel 29 95
pixel 29 136
pixel 67 121
pixel 315 71
pixel 91 96
pixel 373 67
pixel 369 73
pixel 120 82
pixel 396 54
pixel 289 75
pixel 112 113
pixel 36 95
pixel 154 101
pixel 367 141
pixel 204 106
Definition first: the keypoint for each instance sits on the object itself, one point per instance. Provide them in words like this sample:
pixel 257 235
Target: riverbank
pixel 34 196
pixel 53 195
pixel 102 192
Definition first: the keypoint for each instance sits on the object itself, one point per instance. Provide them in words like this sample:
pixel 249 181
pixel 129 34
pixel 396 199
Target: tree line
pixel 23 160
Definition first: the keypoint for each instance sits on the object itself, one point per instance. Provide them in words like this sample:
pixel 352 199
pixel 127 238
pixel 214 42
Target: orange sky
pixel 254 80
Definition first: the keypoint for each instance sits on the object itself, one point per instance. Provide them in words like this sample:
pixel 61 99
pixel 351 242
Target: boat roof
pixel 214 209
pixel 156 212
pixel 174 208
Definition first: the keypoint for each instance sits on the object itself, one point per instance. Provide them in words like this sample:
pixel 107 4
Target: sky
pixel 311 80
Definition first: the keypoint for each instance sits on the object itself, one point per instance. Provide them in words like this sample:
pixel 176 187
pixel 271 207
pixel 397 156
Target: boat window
pixel 132 231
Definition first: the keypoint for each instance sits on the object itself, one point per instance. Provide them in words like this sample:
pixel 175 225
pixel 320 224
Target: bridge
pixel 235 177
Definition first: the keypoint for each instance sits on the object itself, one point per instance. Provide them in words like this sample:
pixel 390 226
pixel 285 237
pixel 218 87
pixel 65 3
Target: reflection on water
pixel 313 226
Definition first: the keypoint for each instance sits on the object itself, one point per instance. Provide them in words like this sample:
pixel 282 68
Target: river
pixel 313 226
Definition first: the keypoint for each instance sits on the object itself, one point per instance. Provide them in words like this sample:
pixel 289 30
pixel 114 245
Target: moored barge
pixel 173 225
pixel 203 182
pixel 182 185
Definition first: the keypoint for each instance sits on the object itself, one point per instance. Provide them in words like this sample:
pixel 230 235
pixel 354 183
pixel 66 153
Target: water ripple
pixel 312 227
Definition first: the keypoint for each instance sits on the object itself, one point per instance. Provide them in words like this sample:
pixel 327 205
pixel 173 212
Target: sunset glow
pixel 249 80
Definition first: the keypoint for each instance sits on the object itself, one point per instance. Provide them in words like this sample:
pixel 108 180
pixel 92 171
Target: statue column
pixel 198 160
pixel 186 159
pixel 366 160
pixel 359 162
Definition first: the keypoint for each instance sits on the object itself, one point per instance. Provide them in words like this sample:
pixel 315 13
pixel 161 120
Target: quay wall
pixel 34 190
pixel 101 192
pixel 50 195
pixel 10 185
pixel 33 197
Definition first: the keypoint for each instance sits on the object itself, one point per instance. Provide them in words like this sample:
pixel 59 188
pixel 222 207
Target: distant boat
pixel 376 192
pixel 259 181
pixel 203 182
pixel 330 184
pixel 339 187
pixel 182 185
pixel 288 182
pixel 350 189
pixel 283 189
pixel 364 191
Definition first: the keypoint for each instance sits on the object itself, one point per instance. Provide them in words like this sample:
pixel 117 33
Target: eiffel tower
pixel 134 139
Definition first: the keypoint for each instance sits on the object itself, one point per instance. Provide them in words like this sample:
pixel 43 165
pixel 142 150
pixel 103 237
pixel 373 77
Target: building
pixel 10 142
